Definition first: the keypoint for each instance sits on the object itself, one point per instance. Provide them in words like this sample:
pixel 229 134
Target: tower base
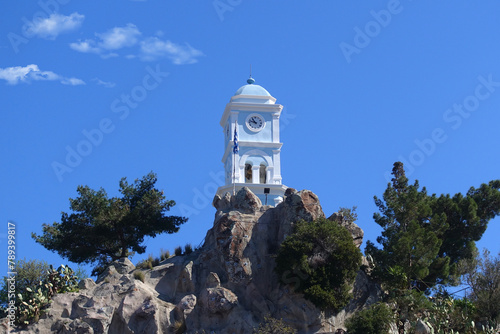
pixel 273 197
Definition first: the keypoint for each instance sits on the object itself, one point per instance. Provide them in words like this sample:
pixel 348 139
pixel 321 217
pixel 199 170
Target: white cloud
pixel 72 81
pixel 54 25
pixel 153 48
pixel 119 37
pixel 113 39
pixel 104 83
pixel 16 74
pixel 85 46
pixel 108 43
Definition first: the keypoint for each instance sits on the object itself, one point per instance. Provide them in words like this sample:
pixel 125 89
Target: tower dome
pixel 252 93
pixel 252 89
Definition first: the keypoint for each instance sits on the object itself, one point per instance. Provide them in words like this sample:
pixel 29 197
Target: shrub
pixel 322 260
pixel 188 249
pixel 146 263
pixel 178 251
pixel 374 320
pixel 274 326
pixel 81 273
pixel 29 273
pixel 448 315
pixel 33 301
pixel 139 275
pixel 484 283
pixel 164 254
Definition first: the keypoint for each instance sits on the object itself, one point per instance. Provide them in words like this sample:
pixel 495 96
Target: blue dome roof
pixel 252 89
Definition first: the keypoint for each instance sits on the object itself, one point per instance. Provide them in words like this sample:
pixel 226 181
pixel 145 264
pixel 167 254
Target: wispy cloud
pixel 113 39
pixel 108 43
pixel 106 84
pixel 154 48
pixel 16 74
pixel 85 46
pixel 119 37
pixel 50 27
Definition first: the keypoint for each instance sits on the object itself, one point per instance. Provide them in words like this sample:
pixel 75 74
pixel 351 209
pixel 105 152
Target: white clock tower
pixel 253 159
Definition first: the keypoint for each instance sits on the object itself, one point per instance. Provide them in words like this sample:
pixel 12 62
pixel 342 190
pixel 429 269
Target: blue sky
pixel 363 85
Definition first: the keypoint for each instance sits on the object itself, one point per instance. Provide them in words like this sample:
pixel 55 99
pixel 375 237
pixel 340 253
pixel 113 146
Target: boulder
pixel 185 282
pixel 187 304
pixel 86 284
pixel 213 280
pixel 123 265
pixel 218 300
pixel 246 201
pixel 108 275
pixel 222 203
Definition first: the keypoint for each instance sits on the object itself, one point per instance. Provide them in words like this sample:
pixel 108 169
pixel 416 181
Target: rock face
pixel 227 286
pixel 355 230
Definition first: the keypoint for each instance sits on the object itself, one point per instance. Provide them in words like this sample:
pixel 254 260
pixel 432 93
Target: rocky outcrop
pixel 227 286
pixel 356 232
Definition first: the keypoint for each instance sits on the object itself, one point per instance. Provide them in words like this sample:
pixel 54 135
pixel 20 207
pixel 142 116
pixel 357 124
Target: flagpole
pixel 234 174
pixel 235 150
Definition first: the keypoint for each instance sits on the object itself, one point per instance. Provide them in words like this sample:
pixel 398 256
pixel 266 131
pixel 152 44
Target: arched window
pixel 248 173
pixel 263 173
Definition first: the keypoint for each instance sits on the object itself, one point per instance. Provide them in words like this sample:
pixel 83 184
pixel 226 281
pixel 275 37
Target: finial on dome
pixel 250 80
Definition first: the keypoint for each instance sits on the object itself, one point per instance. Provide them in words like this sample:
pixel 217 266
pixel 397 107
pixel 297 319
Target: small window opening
pixel 248 173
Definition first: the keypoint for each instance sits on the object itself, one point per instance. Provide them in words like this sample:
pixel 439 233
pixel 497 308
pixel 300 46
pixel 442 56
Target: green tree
pixel 323 261
pixel 374 320
pixel 103 229
pixel 467 218
pixel 424 237
pixel 484 284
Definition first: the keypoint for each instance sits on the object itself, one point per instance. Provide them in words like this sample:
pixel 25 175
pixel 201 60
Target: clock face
pixel 255 122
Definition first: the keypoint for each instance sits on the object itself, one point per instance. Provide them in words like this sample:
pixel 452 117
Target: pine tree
pixel 425 236
pixel 103 229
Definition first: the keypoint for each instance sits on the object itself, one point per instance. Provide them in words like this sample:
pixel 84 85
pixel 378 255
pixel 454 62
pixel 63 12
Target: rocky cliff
pixel 227 286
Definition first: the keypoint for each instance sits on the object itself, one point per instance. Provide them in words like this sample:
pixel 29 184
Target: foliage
pixel 164 254
pixel 102 229
pixel 484 283
pixel 349 214
pixel 448 315
pixel 33 300
pixel 178 251
pixel 81 273
pixel 409 306
pixel 139 275
pixel 29 273
pixel 374 320
pixel 188 249
pixel 146 263
pixel 425 237
pixel 274 326
pixel 325 260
